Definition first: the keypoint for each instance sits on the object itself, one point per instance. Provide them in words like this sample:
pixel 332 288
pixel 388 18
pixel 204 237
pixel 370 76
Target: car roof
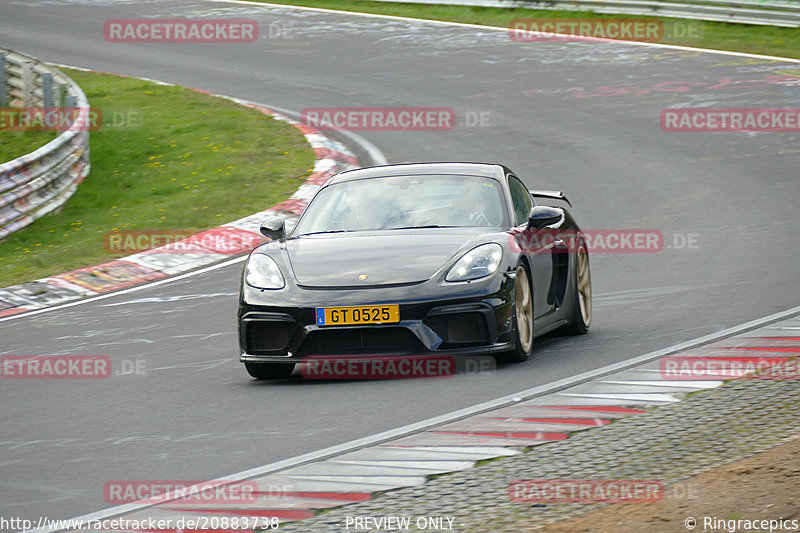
pixel 488 170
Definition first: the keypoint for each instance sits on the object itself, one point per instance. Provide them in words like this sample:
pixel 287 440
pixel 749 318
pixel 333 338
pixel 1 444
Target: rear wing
pixel 553 195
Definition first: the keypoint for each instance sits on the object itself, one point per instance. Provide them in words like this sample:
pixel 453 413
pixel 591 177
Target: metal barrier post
pixel 27 84
pixel 3 86
pixel 47 90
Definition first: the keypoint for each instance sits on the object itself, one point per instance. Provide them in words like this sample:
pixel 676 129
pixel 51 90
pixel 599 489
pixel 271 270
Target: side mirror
pixel 274 228
pixel 544 215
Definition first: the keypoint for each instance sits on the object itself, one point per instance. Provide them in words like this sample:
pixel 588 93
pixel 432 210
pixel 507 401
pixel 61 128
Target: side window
pixel 521 199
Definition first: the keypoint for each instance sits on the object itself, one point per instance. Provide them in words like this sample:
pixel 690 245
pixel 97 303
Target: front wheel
pixel 582 303
pixel 522 320
pixel 269 370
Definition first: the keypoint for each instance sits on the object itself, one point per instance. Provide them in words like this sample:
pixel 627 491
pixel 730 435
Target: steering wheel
pixel 479 218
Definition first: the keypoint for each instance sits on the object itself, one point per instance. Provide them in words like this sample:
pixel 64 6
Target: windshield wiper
pixel 326 231
pixel 421 227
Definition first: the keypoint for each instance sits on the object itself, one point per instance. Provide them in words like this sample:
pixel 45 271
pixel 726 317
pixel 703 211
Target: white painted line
pixel 416 427
pixel 397 481
pixel 499 28
pixel 341 468
pixel 385 453
pixel 631 397
pixel 479 452
pixel 435 465
pixel 677 384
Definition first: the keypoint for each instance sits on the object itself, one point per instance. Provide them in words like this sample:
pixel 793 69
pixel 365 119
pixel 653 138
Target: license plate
pixel 361 314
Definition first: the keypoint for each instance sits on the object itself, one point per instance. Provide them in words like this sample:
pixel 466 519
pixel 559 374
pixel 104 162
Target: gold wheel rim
pixel 584 286
pixel 524 309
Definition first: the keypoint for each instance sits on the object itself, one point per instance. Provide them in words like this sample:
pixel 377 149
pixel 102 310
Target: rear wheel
pixel 523 319
pixel 582 304
pixel 269 370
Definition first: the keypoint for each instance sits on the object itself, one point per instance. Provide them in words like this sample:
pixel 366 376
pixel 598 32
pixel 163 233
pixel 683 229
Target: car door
pixel 537 246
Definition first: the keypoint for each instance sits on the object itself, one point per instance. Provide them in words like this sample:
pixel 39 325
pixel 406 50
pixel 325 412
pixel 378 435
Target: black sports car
pixel 414 259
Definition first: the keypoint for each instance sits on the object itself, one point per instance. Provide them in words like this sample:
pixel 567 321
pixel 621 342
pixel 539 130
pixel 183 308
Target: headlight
pixel 262 272
pixel 477 263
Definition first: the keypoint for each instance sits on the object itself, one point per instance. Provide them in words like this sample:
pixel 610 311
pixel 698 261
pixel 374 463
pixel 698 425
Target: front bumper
pixel 453 319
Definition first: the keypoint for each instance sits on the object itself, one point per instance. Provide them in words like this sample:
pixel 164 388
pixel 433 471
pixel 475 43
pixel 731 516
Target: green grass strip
pixel 14 144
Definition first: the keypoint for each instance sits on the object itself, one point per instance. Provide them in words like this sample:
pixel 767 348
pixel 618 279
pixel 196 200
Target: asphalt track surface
pixel 195 414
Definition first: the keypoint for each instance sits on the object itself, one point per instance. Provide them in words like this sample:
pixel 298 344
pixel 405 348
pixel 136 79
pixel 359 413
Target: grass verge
pixel 14 144
pixel 175 159
pixel 767 40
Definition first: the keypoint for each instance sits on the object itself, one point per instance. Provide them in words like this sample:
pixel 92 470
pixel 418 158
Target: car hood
pixel 385 258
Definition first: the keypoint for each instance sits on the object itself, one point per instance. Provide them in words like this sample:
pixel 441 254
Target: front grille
pixel 372 340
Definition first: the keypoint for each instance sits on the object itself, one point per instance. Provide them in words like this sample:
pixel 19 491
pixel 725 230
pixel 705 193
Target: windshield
pixel 405 202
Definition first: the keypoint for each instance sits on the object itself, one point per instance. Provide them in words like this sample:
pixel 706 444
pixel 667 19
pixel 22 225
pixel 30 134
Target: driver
pixel 367 209
pixel 478 204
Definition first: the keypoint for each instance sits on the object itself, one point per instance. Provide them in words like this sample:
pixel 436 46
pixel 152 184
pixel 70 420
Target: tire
pixel 269 370
pixel 522 319
pixel 582 302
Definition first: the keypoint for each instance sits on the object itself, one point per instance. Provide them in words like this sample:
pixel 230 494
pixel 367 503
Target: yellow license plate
pixel 361 314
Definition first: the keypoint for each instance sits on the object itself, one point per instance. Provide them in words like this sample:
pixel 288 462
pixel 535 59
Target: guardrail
pixel 765 12
pixel 38 183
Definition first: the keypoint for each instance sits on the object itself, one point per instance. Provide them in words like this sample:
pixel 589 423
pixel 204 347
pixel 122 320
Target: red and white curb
pixel 239 237
pixel 298 491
